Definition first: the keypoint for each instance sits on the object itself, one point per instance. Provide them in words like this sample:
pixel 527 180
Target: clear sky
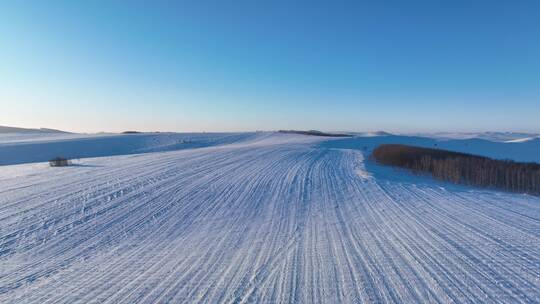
pixel 400 66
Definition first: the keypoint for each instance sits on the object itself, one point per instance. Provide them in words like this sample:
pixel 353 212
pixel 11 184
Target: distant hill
pixel 314 133
pixel 131 132
pixel 4 129
pixel 491 136
pixel 42 147
pixel 522 151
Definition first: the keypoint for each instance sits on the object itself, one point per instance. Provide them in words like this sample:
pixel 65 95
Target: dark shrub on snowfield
pixel 463 168
pixel 59 162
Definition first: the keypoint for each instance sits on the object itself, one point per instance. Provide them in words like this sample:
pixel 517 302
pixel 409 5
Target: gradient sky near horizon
pixel 399 66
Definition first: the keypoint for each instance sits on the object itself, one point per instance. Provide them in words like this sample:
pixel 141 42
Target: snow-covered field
pixel 20 148
pixel 263 218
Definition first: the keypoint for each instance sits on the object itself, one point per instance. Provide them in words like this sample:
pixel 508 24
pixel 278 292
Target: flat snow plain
pixel 273 218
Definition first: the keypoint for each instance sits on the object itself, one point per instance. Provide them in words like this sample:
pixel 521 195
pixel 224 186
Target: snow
pixel 28 147
pixel 34 147
pixel 523 151
pixel 491 136
pixel 264 218
pixel 520 140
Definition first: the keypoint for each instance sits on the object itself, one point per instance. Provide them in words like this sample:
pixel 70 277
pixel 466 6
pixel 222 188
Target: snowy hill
pixel 4 130
pixel 18 148
pixel 269 218
pixel 27 148
pixel 490 136
pixel 524 151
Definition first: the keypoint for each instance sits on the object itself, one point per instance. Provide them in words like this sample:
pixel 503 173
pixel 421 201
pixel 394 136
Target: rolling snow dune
pixel 522 151
pixel 278 218
pixel 28 148
pixel 490 136
pixel 20 148
pixel 15 130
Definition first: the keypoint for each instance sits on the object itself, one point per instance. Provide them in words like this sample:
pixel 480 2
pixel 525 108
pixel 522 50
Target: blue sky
pixel 400 66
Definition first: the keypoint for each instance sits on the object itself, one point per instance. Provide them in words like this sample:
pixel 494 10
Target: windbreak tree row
pixel 462 168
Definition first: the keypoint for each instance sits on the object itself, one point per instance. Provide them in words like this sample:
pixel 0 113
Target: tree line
pixel 462 168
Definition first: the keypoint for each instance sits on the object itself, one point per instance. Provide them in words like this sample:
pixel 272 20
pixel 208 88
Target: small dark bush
pixel 463 168
pixel 59 162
